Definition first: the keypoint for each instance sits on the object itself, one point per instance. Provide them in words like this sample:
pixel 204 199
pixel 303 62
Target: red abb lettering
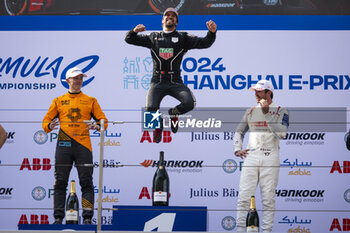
pixel 25 164
pixel 46 164
pixel 336 167
pixel 44 219
pixel 144 193
pixel 34 219
pixel 336 225
pixel 166 137
pixel 23 219
pixel 346 166
pixel 36 164
pixel 146 137
pixel 346 224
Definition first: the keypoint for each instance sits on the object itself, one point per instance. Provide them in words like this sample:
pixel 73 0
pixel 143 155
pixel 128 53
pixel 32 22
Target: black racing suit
pixel 167 50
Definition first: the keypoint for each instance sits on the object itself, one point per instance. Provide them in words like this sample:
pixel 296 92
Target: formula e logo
pixel 38 193
pixel 229 166
pixel 93 60
pixel 40 137
pixel 41 68
pixel 228 223
pixel 152 120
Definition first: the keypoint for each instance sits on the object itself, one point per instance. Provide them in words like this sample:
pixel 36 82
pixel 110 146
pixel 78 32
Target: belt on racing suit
pixel 260 149
pixel 163 73
pixel 264 151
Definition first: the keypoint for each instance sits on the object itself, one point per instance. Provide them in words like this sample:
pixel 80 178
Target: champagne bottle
pixel 252 222
pixel 160 190
pixel 72 207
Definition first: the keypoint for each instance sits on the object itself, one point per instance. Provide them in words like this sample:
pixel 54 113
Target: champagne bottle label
pixel 252 229
pixel 160 196
pixel 71 215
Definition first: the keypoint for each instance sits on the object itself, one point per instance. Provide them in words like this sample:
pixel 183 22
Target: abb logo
pixel 145 193
pixel 336 225
pixel 337 167
pixel 36 165
pixel 146 137
pixel 34 219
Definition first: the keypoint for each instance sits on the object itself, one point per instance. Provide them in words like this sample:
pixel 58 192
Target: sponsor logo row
pixel 229 165
pixel 113 138
pixel 296 196
pixel 294 223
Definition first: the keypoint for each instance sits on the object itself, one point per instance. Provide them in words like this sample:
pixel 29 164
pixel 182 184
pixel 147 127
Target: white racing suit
pixel 262 162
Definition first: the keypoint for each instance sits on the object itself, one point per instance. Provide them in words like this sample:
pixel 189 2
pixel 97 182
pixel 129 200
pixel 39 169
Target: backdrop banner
pixel 308 68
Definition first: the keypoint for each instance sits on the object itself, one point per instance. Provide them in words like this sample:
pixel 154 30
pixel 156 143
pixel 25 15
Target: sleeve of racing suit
pixel 98 114
pixel 194 42
pixel 50 115
pixel 278 123
pixel 242 128
pixel 139 40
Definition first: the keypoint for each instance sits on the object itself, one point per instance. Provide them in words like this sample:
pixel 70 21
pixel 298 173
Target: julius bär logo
pixel 40 137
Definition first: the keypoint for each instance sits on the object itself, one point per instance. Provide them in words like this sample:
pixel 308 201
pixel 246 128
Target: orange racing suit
pixel 73 145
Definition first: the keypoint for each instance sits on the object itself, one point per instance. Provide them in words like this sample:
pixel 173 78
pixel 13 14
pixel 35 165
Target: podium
pixel 159 218
pixel 142 218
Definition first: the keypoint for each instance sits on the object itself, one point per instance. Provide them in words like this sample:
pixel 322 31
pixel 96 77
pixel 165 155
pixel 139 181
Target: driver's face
pixel 259 95
pixel 169 19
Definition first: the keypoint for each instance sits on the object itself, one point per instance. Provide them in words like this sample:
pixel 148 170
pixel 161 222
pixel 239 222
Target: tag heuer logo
pixel 166 53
